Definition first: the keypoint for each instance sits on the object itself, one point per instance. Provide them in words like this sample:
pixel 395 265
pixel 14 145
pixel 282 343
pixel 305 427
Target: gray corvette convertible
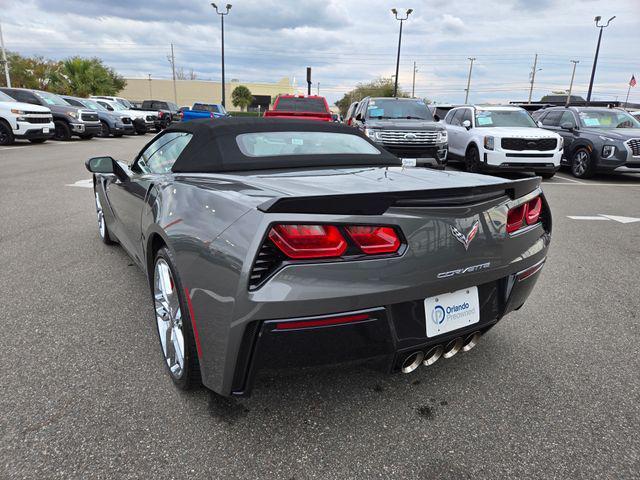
pixel 282 243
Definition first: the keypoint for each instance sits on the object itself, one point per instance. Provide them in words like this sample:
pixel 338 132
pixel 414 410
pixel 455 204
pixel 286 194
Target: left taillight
pixel 331 241
pixel 524 215
pixel 308 241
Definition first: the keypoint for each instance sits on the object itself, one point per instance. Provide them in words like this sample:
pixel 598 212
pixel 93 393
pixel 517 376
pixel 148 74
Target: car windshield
pixel 117 106
pixel 606 118
pixel 93 105
pixel 5 98
pixel 206 107
pixel 382 108
pixel 51 99
pixel 504 118
pixel 125 103
pixel 272 144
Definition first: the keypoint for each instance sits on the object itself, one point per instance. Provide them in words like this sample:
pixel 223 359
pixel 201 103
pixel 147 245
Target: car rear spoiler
pixel 378 203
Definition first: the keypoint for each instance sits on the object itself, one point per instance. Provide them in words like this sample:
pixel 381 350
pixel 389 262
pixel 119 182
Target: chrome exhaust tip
pixel 412 362
pixel 433 355
pixel 453 347
pixel 471 341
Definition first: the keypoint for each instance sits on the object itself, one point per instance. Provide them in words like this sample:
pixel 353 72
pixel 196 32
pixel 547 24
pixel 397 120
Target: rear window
pixel 297 104
pixel 205 107
pixel 273 144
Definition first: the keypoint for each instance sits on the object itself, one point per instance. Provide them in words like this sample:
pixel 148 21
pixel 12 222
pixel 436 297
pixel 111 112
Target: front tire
pixel 6 135
pixel 173 323
pixel 472 160
pixel 105 131
pixel 62 131
pixel 582 163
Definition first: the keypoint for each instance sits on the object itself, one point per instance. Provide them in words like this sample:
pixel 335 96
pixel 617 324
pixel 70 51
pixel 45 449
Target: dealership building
pixel 190 91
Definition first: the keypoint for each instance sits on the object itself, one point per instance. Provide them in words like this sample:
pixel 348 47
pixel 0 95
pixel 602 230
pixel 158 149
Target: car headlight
pixel 488 142
pixel 15 111
pixel 561 143
pixel 73 114
pixel 443 137
pixel 370 133
pixel 608 151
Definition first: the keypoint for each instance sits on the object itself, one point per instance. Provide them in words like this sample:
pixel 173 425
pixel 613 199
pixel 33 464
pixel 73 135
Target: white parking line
pixel 570 179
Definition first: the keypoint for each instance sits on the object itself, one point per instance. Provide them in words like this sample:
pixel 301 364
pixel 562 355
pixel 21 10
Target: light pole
pixel 532 76
pixel 573 74
pixel 3 59
pixel 595 60
pixel 401 19
pixel 222 15
pixel 466 97
pixel 150 94
pixel 413 84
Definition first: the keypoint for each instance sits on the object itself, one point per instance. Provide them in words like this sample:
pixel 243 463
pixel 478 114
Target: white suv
pixel 24 121
pixel 505 138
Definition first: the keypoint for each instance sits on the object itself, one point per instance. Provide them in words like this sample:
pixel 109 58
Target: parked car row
pixel 37 116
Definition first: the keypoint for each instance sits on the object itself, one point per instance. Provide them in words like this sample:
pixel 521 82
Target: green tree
pixel 241 97
pixel 74 76
pixel 381 87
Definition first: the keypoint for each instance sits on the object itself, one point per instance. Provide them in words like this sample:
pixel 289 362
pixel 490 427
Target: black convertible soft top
pixel 214 147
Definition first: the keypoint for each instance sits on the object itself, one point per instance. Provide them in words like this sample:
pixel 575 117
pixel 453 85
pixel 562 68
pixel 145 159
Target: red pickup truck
pixel 303 107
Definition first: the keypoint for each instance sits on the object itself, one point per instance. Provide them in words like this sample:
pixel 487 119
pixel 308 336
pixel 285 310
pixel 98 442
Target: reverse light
pixel 489 142
pixel 308 241
pixel 374 239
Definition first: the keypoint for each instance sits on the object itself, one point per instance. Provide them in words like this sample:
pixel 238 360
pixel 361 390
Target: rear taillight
pixel 181 115
pixel 331 241
pixel 211 115
pixel 526 214
pixel 374 239
pixel 308 241
pixel 160 114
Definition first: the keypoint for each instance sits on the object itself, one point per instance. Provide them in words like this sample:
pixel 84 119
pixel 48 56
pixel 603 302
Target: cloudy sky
pixel 347 41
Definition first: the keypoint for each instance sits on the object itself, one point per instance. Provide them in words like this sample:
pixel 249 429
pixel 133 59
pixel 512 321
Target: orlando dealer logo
pixel 440 313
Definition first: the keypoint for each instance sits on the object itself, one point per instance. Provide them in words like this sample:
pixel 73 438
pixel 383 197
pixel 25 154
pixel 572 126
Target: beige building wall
pixel 191 91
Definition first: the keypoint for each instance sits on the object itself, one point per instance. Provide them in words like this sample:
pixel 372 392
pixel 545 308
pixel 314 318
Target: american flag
pixel 632 82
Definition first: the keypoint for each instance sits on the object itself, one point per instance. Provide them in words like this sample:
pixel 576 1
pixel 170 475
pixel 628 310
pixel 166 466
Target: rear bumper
pixel 384 338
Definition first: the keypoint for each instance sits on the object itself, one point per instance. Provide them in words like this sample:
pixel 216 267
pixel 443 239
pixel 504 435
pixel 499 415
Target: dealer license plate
pixel 45 130
pixel 451 311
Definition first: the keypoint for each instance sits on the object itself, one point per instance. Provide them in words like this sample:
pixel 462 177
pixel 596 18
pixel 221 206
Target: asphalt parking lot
pixel 553 391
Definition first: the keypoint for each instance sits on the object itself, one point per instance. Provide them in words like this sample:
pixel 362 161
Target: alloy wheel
pixel 101 225
pixel 5 139
pixel 580 163
pixel 168 318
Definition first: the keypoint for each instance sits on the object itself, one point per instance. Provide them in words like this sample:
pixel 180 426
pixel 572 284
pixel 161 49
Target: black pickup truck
pixel 404 127
pixel 167 111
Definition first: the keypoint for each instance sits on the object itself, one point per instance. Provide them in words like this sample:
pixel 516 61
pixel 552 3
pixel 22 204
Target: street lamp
pixel 222 15
pixel 595 60
pixel 401 19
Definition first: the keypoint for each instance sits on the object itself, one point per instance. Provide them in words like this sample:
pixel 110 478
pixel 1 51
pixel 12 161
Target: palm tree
pixel 241 97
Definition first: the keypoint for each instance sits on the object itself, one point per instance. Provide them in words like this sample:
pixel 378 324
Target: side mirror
pixel 100 165
pixel 466 124
pixel 567 126
pixel 436 117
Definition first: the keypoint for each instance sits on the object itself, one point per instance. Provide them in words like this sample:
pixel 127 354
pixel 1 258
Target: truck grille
pixel 406 137
pixel 126 120
pixel 39 119
pixel 634 145
pixel 539 144
pixel 89 117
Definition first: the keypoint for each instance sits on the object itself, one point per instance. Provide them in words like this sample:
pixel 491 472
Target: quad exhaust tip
pixel 412 362
pixel 453 347
pixel 433 355
pixel 471 341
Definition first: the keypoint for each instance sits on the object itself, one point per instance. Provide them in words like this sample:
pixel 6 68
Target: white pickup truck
pixel 501 138
pixel 24 121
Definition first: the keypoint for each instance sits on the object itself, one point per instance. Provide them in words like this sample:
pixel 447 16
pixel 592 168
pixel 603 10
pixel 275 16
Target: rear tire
pixel 472 160
pixel 173 323
pixel 6 134
pixel 582 163
pixel 103 230
pixel 38 140
pixel 62 131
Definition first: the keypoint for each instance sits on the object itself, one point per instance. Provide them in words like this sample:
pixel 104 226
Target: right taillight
pixel 374 239
pixel 523 215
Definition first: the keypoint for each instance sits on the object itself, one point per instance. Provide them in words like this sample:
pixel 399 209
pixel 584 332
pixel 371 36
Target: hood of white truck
pixel 516 132
pixel 24 107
